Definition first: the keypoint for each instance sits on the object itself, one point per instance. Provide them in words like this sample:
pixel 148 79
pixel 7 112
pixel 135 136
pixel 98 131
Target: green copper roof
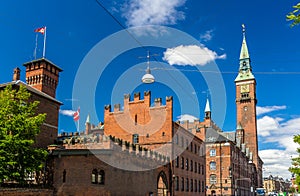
pixel 245 70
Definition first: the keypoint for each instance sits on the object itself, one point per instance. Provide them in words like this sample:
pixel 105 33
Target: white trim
pixel 246 82
pixel 48 125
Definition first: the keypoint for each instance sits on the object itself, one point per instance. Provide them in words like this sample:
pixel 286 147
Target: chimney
pixel 16 75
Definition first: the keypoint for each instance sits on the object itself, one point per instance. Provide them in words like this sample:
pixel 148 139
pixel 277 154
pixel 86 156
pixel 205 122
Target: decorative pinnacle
pixel 244 28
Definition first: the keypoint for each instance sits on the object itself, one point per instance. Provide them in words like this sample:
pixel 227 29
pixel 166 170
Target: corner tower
pixel 42 75
pixel 246 100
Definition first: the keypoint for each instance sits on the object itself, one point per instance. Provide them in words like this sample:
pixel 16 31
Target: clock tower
pixel 246 104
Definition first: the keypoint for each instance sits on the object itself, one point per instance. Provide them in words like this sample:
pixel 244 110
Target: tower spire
pixel 207 110
pixel 207 107
pixel 245 69
pixel 244 50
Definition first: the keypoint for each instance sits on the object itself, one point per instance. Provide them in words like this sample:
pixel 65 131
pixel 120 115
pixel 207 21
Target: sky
pixel 194 55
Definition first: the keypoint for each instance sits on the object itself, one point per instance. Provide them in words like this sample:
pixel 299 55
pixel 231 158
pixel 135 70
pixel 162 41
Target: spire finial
pixel 244 28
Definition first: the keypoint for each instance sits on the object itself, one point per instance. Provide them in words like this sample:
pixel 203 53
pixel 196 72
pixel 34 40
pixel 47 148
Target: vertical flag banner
pixel 41 30
pixel 76 115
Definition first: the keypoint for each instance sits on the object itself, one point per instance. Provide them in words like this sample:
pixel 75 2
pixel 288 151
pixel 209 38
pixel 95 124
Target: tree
pixel 295 168
pixel 19 125
pixel 294 16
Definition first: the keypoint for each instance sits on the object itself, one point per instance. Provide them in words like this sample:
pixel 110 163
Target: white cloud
pixel 276 162
pixel 207 36
pixel 266 125
pixel 266 109
pixel 67 112
pixel 278 133
pixel 185 117
pixel 152 12
pixel 190 55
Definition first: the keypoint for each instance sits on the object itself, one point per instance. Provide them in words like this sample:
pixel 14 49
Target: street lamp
pixel 148 78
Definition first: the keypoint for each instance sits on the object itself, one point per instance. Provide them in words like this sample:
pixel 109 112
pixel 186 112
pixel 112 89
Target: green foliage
pixel 295 168
pixel 19 124
pixel 294 16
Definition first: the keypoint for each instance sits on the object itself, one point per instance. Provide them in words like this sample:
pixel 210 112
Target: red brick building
pixel 42 78
pixel 153 128
pixel 100 165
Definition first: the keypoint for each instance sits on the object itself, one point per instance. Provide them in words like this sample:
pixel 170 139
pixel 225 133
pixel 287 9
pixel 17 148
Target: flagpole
pixel 36 40
pixel 44 49
pixel 78 126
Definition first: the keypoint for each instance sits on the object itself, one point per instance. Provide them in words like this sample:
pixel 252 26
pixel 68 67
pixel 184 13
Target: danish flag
pixel 40 30
pixel 76 115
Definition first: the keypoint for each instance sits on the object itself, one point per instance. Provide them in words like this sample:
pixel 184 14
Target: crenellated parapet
pixel 98 142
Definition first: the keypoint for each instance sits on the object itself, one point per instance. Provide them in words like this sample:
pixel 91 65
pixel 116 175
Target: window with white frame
pixel 212 165
pixel 212 152
pixel 213 179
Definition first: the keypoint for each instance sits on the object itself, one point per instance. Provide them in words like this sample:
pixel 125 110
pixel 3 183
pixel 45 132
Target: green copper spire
pixel 244 50
pixel 245 70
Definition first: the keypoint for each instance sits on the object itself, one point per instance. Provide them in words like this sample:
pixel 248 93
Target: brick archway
pixel 162 184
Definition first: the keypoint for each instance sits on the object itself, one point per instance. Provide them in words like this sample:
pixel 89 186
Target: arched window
pixel 182 184
pixel 162 184
pixel 176 183
pixel 94 176
pixel 101 177
pixel 213 179
pixel 212 165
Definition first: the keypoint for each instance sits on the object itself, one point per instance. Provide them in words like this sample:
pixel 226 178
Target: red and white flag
pixel 76 115
pixel 40 30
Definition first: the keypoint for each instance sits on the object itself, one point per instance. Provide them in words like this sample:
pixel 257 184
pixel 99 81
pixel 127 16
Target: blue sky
pixel 77 31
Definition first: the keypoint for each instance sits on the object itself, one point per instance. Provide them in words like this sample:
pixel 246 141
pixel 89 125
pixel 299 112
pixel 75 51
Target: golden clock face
pixel 245 88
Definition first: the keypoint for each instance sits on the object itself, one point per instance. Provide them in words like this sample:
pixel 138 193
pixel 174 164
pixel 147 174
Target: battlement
pixel 102 142
pixel 146 102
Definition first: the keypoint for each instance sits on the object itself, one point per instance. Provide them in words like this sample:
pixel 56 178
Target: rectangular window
pixel 212 165
pixel 182 184
pixel 192 165
pixel 192 185
pixel 135 138
pixel 182 162
pixel 213 179
pixel 176 183
pixel 195 186
pixel 177 162
pixel 199 186
pixel 195 167
pixel 187 185
pixel 202 186
pixel 212 152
